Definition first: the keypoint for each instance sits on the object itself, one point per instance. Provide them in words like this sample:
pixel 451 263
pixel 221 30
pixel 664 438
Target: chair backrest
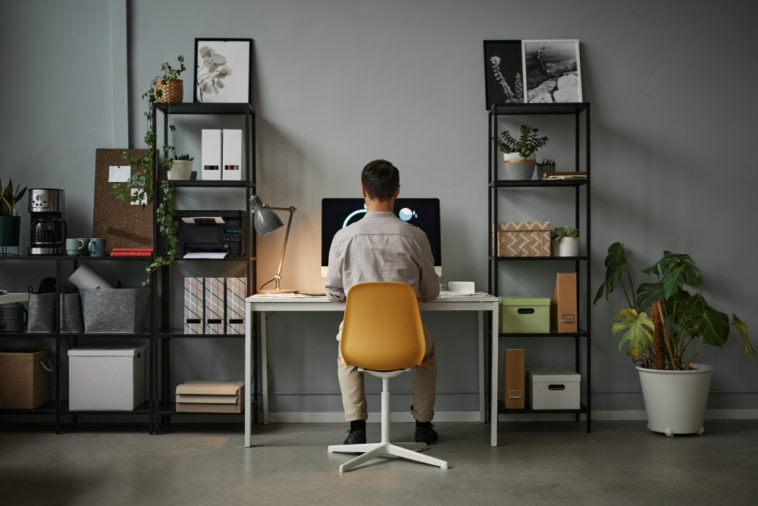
pixel 382 328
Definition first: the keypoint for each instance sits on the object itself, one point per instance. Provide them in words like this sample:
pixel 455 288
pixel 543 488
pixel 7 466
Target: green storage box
pixel 525 315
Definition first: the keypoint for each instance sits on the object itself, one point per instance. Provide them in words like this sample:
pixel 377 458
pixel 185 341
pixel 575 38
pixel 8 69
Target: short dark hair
pixel 380 179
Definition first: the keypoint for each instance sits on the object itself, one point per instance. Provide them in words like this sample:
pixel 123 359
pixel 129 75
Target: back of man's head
pixel 380 179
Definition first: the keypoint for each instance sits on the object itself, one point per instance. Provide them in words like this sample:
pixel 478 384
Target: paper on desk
pixel 205 254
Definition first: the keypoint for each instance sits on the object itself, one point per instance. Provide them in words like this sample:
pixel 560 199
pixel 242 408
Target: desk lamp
pixel 265 221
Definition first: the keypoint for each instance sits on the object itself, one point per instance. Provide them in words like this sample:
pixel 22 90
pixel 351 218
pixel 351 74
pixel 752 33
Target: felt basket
pixel 114 311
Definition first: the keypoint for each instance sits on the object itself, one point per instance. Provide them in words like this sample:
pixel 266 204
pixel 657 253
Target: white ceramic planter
pixel 180 170
pixel 567 247
pixel 675 400
pixel 518 167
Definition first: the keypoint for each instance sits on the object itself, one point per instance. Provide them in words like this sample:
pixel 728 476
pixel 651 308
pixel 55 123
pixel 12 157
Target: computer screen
pixel 339 213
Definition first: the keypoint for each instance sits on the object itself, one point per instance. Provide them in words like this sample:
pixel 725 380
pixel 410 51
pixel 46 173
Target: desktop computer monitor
pixel 339 213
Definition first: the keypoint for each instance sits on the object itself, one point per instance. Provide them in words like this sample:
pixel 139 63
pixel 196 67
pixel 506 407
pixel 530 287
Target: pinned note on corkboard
pixel 121 223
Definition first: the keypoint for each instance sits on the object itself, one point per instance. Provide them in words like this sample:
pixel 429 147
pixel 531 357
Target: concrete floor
pixel 620 463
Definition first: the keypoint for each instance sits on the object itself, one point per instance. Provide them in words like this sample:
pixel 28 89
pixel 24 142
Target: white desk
pixel 8 298
pixel 263 304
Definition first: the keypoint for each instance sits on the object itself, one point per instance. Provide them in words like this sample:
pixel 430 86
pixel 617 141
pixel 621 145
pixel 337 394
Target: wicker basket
pixel 171 90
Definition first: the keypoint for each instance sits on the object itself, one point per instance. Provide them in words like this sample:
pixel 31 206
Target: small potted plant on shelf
pixel 10 221
pixel 520 154
pixel 674 387
pixel 168 87
pixel 545 166
pixel 139 187
pixel 566 241
pixel 181 167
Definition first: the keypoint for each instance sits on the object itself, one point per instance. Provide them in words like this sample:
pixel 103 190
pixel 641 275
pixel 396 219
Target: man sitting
pixel 382 247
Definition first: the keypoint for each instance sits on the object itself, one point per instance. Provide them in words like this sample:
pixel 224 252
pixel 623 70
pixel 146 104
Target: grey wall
pixel 338 83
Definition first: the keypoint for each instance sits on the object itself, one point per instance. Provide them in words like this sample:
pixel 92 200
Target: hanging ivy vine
pixel 138 188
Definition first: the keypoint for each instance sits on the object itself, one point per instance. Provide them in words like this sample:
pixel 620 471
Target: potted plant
pixel 139 187
pixel 545 166
pixel 181 167
pixel 566 242
pixel 520 154
pixel 168 87
pixel 10 221
pixel 674 387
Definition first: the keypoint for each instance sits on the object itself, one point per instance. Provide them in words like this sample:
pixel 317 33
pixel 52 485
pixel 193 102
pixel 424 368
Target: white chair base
pixel 370 451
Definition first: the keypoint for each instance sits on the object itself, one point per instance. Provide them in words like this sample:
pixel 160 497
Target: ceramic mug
pixel 97 247
pixel 76 246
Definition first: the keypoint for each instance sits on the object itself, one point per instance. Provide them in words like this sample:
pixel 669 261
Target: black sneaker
pixel 356 437
pixel 426 434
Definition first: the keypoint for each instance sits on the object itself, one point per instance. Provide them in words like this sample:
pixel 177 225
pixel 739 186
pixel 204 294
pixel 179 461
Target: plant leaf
pixel 647 293
pixel 636 330
pixel 742 329
pixel 615 265
pixel 701 320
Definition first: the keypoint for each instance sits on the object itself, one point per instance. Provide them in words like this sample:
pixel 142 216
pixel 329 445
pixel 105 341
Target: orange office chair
pixel 382 335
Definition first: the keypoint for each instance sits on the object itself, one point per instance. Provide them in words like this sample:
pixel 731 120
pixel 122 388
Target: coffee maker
pixel 46 223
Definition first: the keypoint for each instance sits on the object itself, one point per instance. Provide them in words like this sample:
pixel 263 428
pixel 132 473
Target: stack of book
pixel 132 252
pixel 209 397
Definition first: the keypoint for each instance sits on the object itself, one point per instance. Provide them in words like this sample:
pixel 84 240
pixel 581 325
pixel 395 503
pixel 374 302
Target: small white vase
pixel 567 247
pixel 675 400
pixel 180 170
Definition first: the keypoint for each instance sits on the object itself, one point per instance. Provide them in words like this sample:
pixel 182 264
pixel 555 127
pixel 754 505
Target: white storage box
pixel 554 389
pixel 109 379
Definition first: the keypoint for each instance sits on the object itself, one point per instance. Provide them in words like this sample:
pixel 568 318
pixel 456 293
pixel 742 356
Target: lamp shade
pixel 265 219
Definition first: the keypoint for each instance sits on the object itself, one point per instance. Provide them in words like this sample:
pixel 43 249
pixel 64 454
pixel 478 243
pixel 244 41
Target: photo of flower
pixel 222 70
pixel 502 72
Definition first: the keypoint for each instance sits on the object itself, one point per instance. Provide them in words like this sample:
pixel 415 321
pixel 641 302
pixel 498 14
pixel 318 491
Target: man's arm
pixel 335 291
pixel 429 284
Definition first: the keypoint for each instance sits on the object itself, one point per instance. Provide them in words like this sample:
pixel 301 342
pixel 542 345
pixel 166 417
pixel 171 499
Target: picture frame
pixel 552 71
pixel 503 72
pixel 222 70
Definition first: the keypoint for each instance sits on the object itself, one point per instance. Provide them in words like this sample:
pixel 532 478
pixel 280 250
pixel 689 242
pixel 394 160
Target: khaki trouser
pixel 424 379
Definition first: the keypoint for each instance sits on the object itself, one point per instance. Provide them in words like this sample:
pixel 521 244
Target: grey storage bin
pixel 41 313
pixel 114 311
pixel 71 313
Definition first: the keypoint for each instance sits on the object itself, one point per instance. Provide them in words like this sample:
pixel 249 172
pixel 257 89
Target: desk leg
pixel 264 367
pixel 482 370
pixel 495 338
pixel 248 394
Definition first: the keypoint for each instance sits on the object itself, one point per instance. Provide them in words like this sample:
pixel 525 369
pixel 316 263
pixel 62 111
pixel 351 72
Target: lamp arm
pixel 278 274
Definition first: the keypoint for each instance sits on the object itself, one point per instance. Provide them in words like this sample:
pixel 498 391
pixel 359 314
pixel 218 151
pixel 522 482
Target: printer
pixel 212 232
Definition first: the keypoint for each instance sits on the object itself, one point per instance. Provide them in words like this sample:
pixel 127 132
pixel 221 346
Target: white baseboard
pixel 473 416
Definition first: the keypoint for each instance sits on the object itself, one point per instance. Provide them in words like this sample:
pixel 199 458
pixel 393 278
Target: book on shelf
pixel 559 176
pixel 136 252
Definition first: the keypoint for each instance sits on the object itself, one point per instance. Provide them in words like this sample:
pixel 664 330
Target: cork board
pixel 122 224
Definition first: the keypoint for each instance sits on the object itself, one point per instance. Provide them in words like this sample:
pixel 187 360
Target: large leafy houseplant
pixel 678 317
pixel 138 188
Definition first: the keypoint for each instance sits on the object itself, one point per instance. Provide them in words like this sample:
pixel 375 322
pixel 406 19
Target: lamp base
pixel 278 291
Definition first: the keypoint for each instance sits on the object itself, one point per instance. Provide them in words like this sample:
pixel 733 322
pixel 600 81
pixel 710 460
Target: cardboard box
pixel 232 154
pixel 210 387
pixel 23 379
pixel 210 397
pixel 210 144
pixel 193 305
pixel 108 379
pixel 524 315
pixel 563 306
pixel 554 389
pixel 514 379
pixel 523 239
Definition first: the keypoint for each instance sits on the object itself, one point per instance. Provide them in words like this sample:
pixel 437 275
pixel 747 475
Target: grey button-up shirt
pixel 381 247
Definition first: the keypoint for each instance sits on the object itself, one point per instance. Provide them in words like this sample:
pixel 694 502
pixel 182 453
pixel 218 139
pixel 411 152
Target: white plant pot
pixel 518 167
pixel 567 247
pixel 675 400
pixel 180 170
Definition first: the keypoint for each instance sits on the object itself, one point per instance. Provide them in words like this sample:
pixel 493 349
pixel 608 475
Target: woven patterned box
pixel 523 239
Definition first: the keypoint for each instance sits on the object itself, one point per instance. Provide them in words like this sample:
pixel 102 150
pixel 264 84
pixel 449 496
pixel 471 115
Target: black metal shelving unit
pixel 164 408
pixel 581 263
pixel 57 406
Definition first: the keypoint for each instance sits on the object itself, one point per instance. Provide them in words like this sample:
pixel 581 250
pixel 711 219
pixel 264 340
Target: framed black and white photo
pixel 222 70
pixel 551 71
pixel 503 76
